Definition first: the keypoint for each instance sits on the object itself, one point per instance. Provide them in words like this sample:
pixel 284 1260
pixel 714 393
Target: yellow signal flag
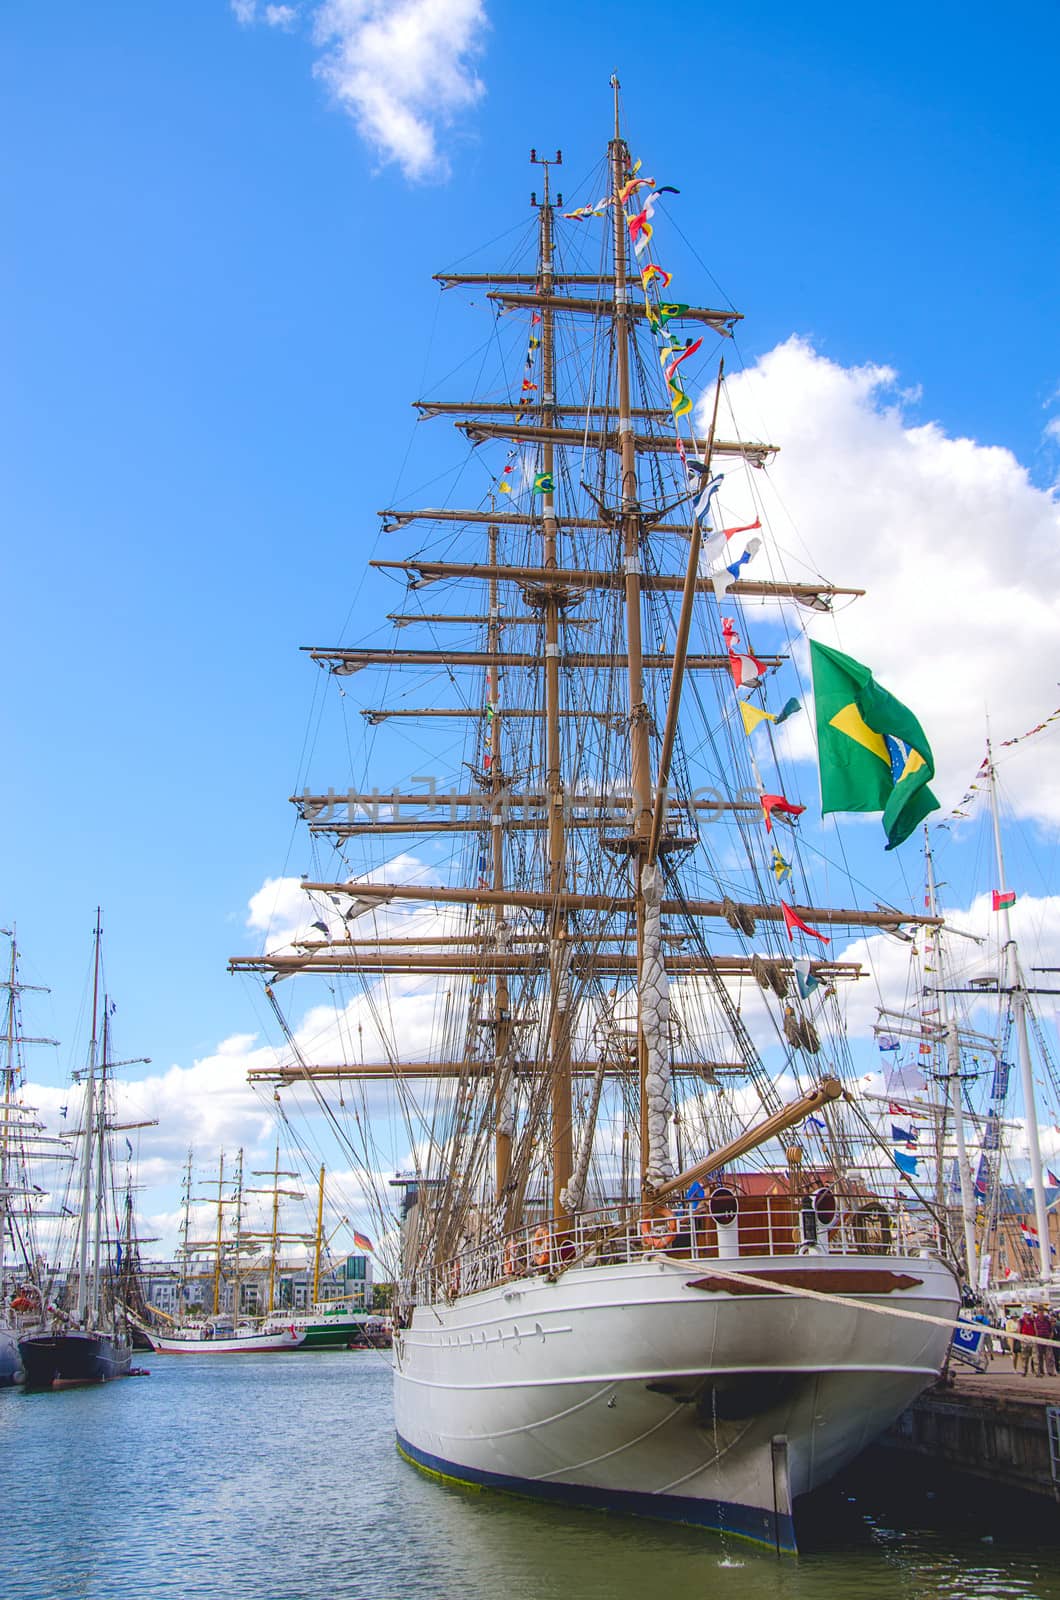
pixel 753 715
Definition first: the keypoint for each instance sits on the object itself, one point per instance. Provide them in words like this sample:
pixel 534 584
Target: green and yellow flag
pixel 871 748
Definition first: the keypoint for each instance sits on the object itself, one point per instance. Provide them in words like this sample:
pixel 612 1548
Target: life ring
pixel 658 1230
pixel 511 1258
pixel 542 1246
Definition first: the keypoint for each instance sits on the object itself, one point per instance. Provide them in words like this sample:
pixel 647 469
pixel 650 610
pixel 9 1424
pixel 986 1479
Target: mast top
pixel 546 162
pixel 616 86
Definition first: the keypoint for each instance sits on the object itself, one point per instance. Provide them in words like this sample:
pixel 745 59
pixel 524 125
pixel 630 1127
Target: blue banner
pixel 999 1087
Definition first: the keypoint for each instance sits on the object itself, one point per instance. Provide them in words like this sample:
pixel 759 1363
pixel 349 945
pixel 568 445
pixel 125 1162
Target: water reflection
pixel 276 1478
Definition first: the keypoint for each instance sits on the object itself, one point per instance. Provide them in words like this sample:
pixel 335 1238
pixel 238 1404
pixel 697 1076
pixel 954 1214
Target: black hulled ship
pixel 88 1339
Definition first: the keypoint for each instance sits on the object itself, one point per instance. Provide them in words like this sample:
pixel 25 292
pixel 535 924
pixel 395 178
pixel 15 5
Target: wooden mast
pixel 655 583
pixel 88 1130
pixel 319 1238
pixel 684 627
pixel 559 1043
pixel 99 1222
pixel 502 1027
pixel 185 1217
pixel 639 720
pixel 237 1230
pixel 764 911
pixel 344 663
pixel 275 1227
pixel 273 1236
pixel 218 1240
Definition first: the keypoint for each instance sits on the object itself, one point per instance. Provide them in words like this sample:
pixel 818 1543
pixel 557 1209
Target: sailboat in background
pixel 88 1342
pixel 1016 996
pixel 129 1284
pixel 247 1265
pixel 26 1149
pixel 636 1270
pixel 1002 1244
pixel 336 1323
pixel 216 1328
pixel 965 1111
pixel 927 1106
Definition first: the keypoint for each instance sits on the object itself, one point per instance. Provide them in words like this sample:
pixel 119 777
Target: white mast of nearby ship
pixel 1010 982
pixel 951 1034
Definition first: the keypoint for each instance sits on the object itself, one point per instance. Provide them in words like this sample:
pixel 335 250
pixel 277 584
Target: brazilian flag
pixel 872 750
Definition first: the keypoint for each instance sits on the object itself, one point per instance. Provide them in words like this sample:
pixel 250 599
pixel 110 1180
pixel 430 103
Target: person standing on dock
pixel 1012 1328
pixel 1026 1329
pixel 1043 1328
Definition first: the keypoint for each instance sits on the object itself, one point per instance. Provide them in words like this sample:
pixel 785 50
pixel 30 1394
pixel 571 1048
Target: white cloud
pixel 274 16
pixel 402 69
pixel 1052 429
pixel 279 903
pixel 957 549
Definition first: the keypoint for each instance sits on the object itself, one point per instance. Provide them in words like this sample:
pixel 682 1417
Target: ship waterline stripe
pixel 753 1523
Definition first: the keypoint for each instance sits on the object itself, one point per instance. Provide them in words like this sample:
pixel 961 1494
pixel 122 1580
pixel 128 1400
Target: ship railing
pixel 774 1226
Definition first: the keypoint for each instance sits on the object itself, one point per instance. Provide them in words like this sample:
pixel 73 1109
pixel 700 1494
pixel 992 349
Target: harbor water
pixel 268 1477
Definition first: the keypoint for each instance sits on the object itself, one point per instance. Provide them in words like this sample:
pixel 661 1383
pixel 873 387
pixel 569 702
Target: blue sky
pixel 217 306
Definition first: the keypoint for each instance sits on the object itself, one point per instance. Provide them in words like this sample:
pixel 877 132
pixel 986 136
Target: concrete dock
pixel 995 1425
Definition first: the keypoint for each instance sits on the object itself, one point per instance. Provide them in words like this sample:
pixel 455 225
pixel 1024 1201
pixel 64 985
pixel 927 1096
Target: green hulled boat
pixel 336 1326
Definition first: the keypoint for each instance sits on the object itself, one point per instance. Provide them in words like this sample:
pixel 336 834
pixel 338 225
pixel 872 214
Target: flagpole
pixel 953 1087
pixel 1010 981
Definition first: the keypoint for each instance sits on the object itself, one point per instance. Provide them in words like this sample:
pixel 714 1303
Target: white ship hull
pixel 622 1387
pixel 242 1345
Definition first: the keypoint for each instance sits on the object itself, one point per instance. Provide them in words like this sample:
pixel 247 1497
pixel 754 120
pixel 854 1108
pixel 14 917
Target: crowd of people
pixel 1023 1326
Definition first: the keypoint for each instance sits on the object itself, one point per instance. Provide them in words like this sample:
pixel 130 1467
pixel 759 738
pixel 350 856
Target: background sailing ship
pixel 972 1077
pixel 257 1268
pixel 28 1155
pixel 640 1266
pixel 84 1334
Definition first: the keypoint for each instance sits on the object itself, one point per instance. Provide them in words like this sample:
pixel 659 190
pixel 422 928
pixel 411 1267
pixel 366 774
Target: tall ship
pixel 29 1157
pixel 651 1253
pixel 84 1335
pixel 239 1309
